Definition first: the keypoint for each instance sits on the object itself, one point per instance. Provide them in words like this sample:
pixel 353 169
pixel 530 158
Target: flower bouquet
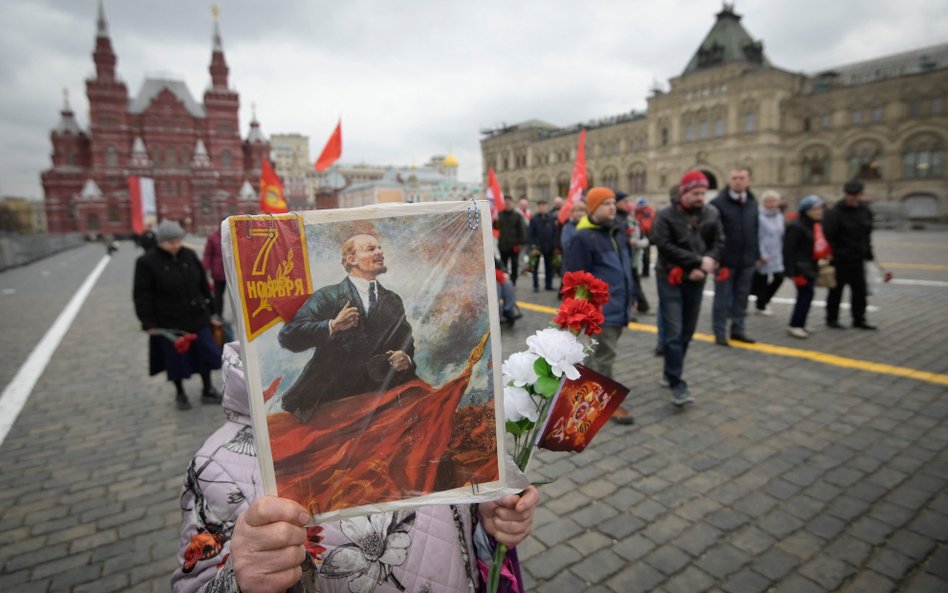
pixel 548 401
pixel 181 339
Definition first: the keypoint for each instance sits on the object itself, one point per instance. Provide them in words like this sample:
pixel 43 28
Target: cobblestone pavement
pixel 787 475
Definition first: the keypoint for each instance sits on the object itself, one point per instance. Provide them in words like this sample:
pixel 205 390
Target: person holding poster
pixel 363 342
pixel 235 539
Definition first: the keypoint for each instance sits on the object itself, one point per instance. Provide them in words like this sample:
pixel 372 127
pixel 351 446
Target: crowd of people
pixel 744 246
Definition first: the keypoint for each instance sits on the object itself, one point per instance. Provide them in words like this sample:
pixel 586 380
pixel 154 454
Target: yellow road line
pixel 909 266
pixel 773 349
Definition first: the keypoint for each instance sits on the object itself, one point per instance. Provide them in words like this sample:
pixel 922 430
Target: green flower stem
pixel 493 577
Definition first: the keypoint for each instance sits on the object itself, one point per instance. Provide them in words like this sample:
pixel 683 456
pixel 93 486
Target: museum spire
pixel 218 68
pixel 103 56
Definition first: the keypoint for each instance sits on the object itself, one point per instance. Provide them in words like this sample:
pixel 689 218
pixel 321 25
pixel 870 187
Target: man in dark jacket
pixel 362 340
pixel 848 228
pixel 542 239
pixel 602 249
pixel 689 239
pixel 513 234
pixel 738 209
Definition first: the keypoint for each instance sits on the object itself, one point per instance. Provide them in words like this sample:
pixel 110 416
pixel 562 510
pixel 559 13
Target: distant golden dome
pixel 450 161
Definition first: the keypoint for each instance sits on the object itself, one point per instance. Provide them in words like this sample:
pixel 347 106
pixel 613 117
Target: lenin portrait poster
pixel 367 340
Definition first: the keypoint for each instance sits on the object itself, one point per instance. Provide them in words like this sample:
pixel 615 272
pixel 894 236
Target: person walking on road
pixel 769 274
pixel 513 233
pixel 848 227
pixel 602 249
pixel 542 239
pixel 801 252
pixel 689 239
pixel 738 209
pixel 213 261
pixel 173 303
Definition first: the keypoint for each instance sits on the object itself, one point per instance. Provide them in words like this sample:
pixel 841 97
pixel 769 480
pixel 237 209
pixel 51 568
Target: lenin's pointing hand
pixel 399 360
pixel 346 319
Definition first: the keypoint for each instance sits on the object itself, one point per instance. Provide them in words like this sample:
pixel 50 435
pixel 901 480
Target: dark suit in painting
pixel 351 361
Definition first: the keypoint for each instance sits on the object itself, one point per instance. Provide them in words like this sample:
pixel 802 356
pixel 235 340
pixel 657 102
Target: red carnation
pixel 314 537
pixel 579 315
pixel 583 285
pixel 675 276
pixel 723 274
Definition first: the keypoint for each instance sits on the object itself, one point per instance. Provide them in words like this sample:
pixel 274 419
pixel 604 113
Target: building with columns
pixel 882 121
pixel 203 170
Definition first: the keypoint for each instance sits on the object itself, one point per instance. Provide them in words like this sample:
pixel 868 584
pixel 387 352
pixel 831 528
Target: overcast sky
pixel 413 78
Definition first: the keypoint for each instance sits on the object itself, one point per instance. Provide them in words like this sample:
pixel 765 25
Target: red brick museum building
pixel 202 169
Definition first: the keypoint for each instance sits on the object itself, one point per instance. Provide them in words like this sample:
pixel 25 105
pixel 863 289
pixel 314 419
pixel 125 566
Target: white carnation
pixel 560 349
pixel 518 369
pixel 518 404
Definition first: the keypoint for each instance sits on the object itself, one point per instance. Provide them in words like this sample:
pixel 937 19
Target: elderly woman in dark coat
pixel 172 299
pixel 801 252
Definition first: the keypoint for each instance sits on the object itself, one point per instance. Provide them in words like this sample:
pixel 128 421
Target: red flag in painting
pixel 332 151
pixel 578 182
pixel 272 200
pixel 496 196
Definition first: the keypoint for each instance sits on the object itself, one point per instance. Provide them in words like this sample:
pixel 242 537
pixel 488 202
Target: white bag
pixel 874 278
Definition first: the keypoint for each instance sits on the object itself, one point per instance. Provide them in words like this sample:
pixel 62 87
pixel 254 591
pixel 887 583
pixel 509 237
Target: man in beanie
pixel 541 235
pixel 602 249
pixel 732 284
pixel 689 238
pixel 848 228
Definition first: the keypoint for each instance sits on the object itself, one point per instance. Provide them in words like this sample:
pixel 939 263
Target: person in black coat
pixel 800 261
pixel 732 285
pixel 849 232
pixel 542 238
pixel 512 234
pixel 172 298
pixel 363 342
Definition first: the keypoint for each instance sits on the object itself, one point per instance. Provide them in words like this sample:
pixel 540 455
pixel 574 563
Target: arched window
pixel 171 157
pixel 521 189
pixel 815 165
pixel 562 184
pixel 92 222
pixel 111 155
pixel 923 156
pixel 610 178
pixel 637 179
pixel 866 160
pixel 227 159
pixel 113 214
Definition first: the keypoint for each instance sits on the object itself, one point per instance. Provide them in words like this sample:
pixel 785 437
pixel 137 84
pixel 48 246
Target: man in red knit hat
pixel 689 238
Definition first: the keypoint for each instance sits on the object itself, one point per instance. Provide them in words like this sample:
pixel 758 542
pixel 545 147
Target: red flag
pixel 496 196
pixel 578 182
pixel 332 151
pixel 272 200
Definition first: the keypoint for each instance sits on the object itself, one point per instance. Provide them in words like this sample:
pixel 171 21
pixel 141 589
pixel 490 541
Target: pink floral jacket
pixel 430 549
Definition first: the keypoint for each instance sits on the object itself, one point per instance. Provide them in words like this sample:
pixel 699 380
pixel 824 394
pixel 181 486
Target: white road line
pixel 19 389
pixel 786 301
pixel 910 282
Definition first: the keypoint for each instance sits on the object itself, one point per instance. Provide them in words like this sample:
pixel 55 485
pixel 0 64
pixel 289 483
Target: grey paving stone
pixel 746 581
pixel 722 560
pixel 891 563
pixel 597 567
pixel 849 549
pixel 870 530
pixel 665 528
pixel 827 571
pixel 698 538
pixel 668 559
pixel 637 578
pixel 562 583
pixel 826 526
pixel 752 540
pixel 690 580
pixel 797 584
pixel 779 523
pixel 634 547
pixel 621 526
pixel 869 582
pixel 549 563
pixel 727 519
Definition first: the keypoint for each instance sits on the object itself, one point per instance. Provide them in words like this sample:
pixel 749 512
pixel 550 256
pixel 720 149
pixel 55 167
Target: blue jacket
pixel 542 232
pixel 741 246
pixel 603 251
